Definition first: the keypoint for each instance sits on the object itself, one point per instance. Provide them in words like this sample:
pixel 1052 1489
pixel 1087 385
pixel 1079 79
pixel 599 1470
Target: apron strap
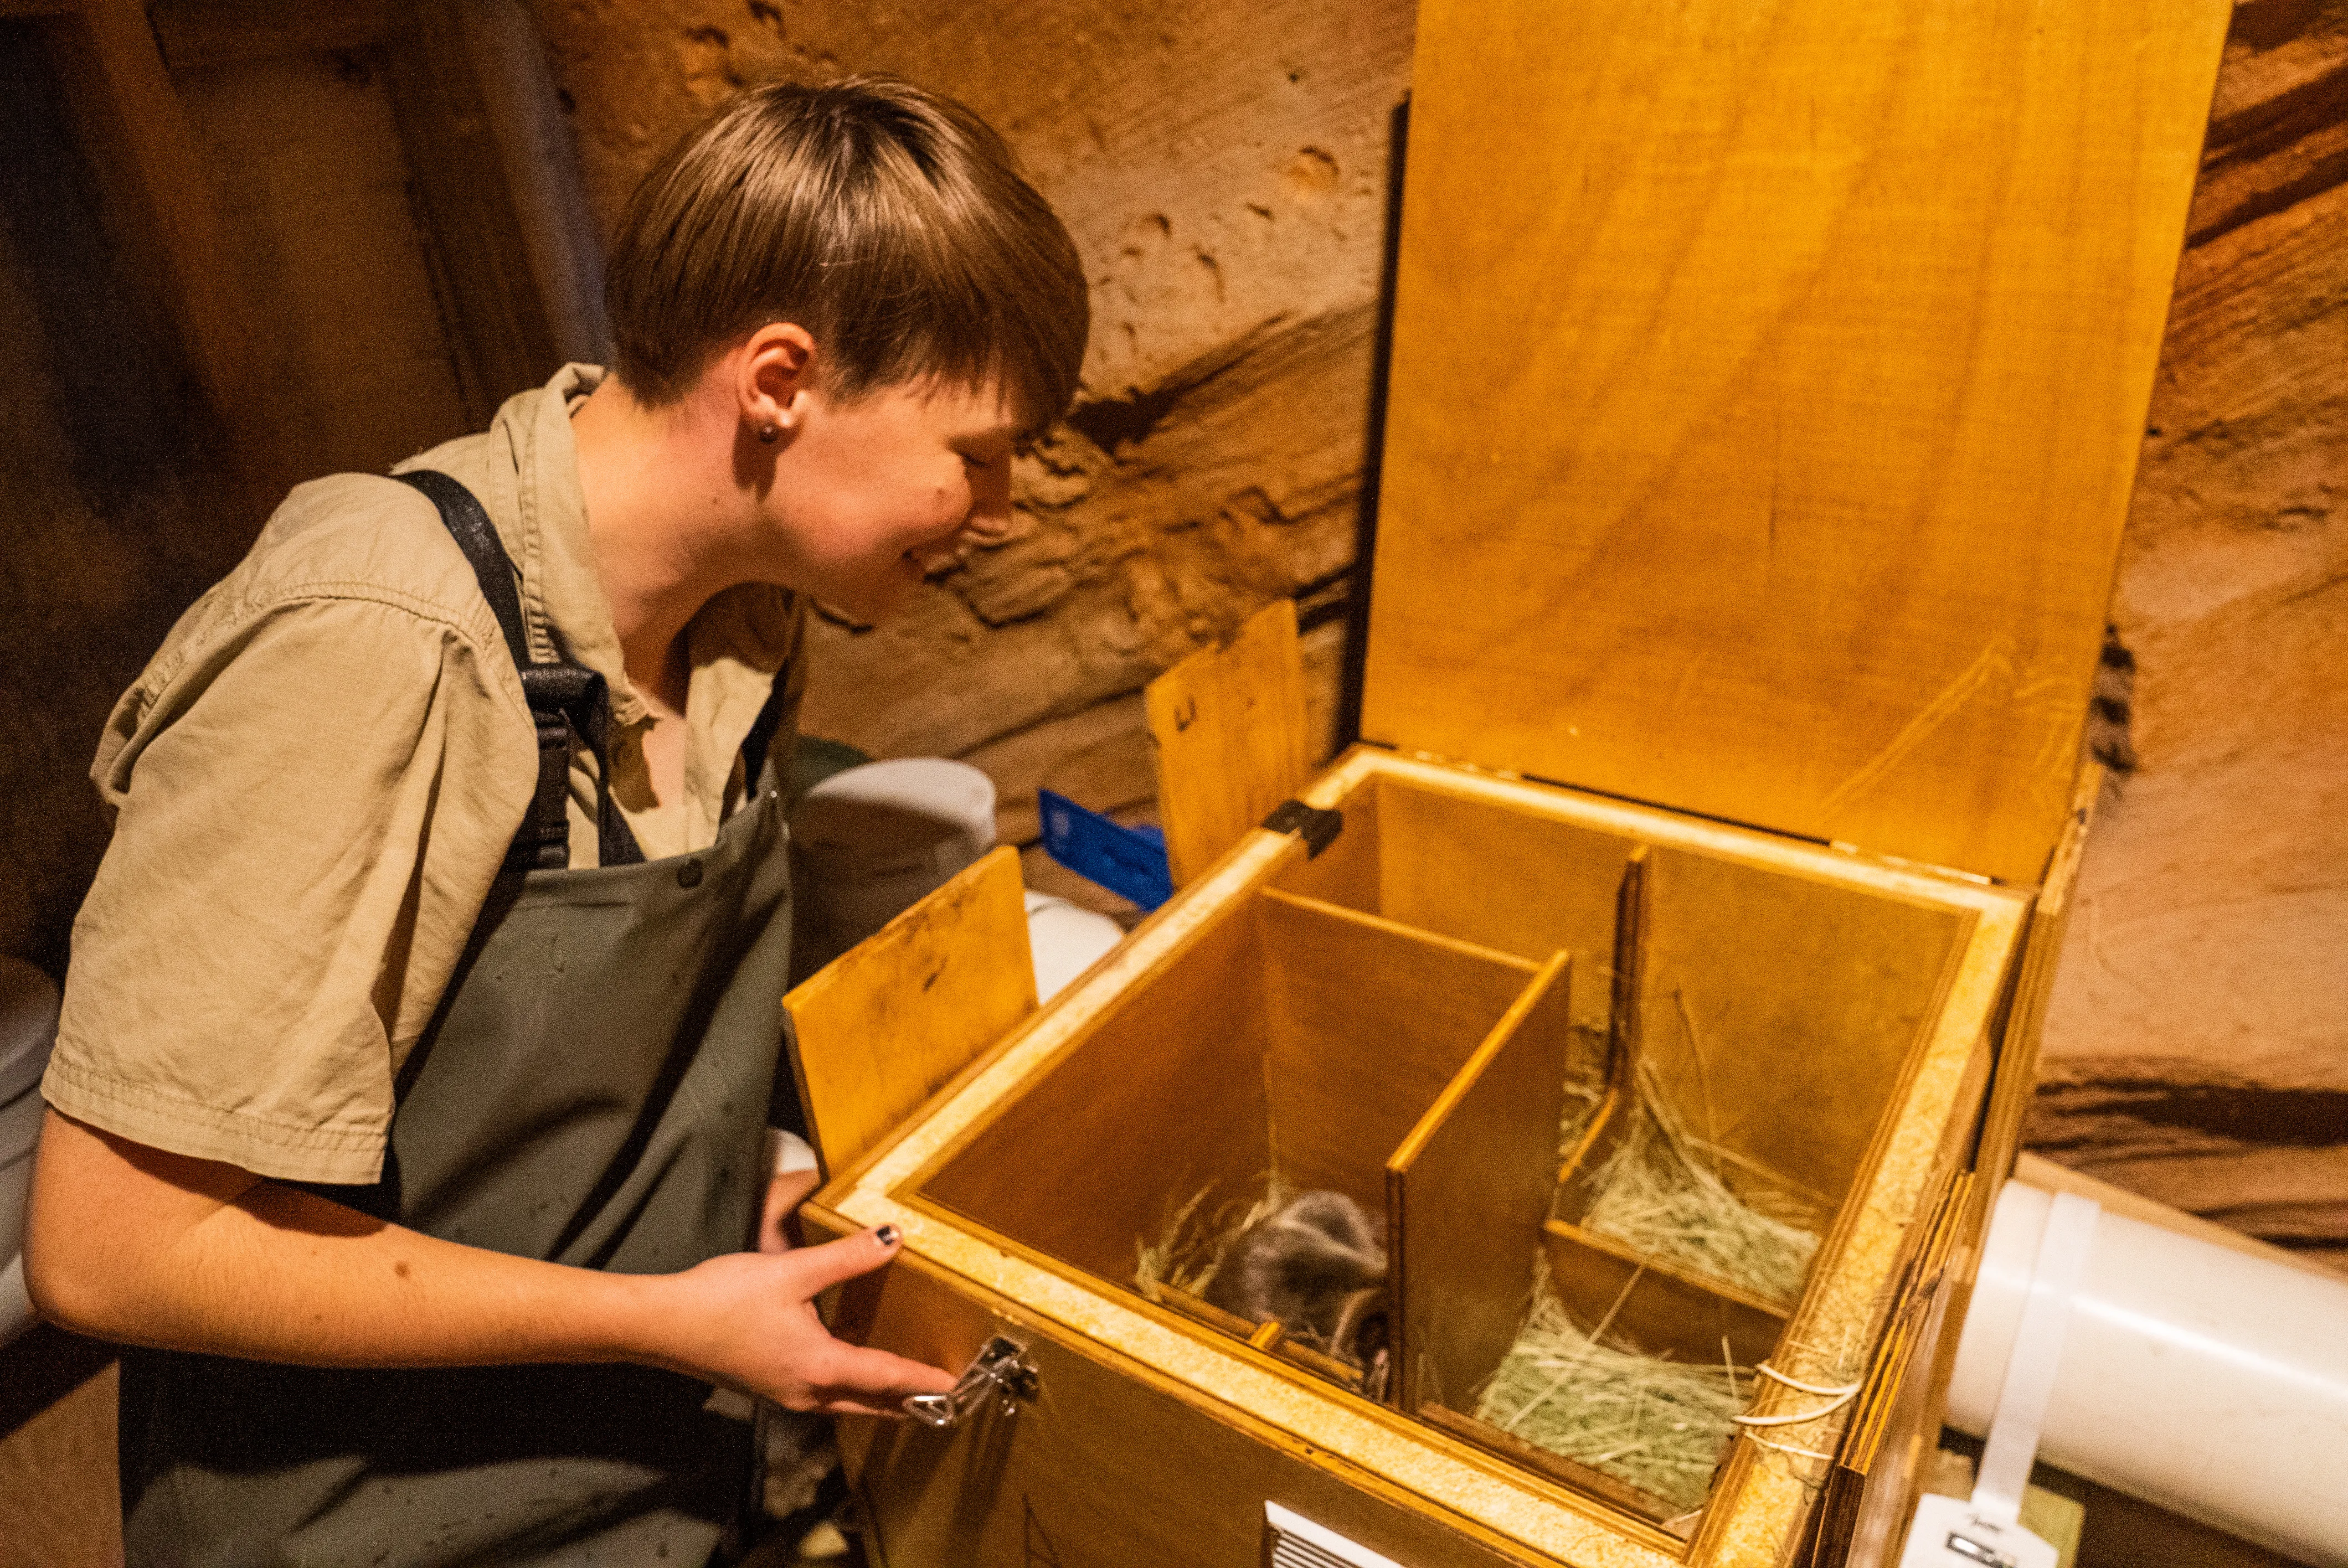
pixel 761 738
pixel 569 703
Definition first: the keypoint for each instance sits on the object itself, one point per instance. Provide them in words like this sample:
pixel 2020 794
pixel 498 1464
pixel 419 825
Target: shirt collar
pixel 560 573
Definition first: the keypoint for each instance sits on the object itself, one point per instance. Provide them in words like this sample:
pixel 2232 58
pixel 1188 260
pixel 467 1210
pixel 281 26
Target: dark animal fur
pixel 1307 1264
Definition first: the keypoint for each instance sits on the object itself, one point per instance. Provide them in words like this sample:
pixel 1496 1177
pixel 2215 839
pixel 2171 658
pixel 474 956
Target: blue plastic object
pixel 1127 861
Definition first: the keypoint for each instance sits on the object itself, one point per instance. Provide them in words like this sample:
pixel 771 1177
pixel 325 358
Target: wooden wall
pixel 2197 1046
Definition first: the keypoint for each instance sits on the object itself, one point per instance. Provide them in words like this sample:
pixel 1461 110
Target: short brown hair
pixel 891 222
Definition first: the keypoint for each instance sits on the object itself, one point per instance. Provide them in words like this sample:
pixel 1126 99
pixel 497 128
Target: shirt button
pixel 689 873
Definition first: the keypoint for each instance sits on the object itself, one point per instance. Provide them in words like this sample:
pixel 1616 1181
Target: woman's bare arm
pixel 130 1242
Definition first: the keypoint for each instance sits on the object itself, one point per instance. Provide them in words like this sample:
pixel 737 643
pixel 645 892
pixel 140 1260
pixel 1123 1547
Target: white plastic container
pixel 2208 1381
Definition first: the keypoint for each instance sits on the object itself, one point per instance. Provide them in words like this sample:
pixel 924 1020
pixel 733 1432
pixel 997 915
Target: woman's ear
pixel 774 371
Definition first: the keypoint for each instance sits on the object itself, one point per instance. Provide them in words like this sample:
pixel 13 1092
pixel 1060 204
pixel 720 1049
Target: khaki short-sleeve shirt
pixel 314 782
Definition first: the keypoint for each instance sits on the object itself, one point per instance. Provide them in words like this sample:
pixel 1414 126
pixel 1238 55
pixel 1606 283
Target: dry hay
pixel 1661 1195
pixel 1190 1242
pixel 1655 1424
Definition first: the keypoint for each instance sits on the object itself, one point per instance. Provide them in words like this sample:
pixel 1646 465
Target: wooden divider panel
pixel 1369 1022
pixel 1650 1306
pixel 1519 882
pixel 1467 1193
pixel 884 1027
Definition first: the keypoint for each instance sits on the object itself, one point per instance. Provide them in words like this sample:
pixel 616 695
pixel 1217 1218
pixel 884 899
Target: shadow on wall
pixel 402 241
pixel 116 520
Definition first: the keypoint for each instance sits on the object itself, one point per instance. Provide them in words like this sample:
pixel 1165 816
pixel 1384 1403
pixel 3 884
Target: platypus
pixel 1314 1264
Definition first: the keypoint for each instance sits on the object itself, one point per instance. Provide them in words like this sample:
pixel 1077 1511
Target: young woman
pixel 423 1022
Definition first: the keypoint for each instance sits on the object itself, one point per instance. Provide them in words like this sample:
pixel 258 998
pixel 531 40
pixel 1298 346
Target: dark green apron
pixel 592 1091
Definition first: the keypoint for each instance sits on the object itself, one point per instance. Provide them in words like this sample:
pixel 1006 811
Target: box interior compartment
pixel 1459 866
pixel 1624 1382
pixel 1425 1020
pixel 1290 1042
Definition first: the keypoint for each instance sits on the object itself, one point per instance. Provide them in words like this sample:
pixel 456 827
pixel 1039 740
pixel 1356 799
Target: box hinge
pixel 1319 828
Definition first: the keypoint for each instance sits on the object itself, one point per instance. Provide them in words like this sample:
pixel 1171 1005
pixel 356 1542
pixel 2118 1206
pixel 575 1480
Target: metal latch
pixel 1000 1369
pixel 1965 1546
pixel 1319 828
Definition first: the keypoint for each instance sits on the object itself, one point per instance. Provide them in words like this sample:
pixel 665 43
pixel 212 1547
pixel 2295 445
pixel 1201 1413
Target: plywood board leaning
pixel 886 1025
pixel 1228 726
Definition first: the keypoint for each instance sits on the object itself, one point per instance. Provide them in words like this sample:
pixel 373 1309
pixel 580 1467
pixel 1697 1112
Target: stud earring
pixel 769 434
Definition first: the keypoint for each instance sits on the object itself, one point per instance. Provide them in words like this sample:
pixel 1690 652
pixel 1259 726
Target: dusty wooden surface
pixel 1369 1022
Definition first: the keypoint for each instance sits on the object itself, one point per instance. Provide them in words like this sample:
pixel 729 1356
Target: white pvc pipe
pixel 2211 1382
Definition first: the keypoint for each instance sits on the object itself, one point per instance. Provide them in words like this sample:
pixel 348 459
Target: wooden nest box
pixel 1766 389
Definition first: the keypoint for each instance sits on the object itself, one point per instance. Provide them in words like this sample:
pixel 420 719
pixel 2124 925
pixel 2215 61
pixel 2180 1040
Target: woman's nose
pixel 989 521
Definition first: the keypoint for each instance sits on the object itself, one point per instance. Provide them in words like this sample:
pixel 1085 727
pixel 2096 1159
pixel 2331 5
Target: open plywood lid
pixel 1766 392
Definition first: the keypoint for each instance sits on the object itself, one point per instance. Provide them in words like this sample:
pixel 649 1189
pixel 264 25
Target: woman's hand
pixel 748 1320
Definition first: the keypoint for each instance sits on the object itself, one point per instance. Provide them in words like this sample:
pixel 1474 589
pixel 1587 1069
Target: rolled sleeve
pixel 310 812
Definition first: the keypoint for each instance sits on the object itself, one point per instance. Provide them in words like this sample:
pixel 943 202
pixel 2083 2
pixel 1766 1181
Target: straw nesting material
pixel 1657 1424
pixel 1661 1194
pixel 1189 1243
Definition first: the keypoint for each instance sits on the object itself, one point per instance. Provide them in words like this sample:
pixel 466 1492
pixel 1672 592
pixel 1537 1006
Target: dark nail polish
pixel 886 1235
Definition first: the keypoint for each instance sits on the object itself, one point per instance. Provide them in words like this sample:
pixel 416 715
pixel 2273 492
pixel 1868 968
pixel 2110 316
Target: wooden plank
pixel 1369 1023
pixel 886 1025
pixel 1556 1467
pixel 1653 1304
pixel 1228 726
pixel 1867 1487
pixel 2016 1078
pixel 144 150
pixel 1767 392
pixel 1466 1193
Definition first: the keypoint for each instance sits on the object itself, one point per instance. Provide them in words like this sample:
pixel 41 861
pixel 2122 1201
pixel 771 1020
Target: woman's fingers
pixel 857 1371
pixel 836 1262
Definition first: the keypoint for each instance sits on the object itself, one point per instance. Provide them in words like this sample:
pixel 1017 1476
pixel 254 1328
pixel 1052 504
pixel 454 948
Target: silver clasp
pixel 1965 1546
pixel 1000 1369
